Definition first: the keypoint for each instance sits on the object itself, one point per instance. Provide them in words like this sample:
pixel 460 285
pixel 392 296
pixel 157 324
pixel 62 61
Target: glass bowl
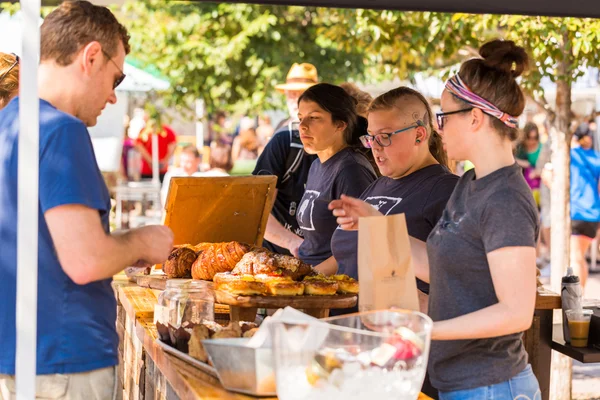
pixel 369 355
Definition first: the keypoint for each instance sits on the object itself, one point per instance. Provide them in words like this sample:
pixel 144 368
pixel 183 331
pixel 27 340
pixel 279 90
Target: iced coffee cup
pixel 579 326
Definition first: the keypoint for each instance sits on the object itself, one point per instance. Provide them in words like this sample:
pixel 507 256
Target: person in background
pixel 247 144
pixel 218 130
pixel 167 141
pixel 82 52
pixel 285 158
pixel 415 179
pixel 9 78
pixel 585 198
pixel 330 128
pixel 527 154
pixel 264 131
pixel 219 161
pixel 485 239
pixel 189 165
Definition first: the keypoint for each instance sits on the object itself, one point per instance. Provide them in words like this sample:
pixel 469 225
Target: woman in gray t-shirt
pixel 480 257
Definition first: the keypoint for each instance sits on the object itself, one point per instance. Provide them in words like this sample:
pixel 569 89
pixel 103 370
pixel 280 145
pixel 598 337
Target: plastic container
pixel 371 355
pixel 579 326
pixel 570 294
pixel 182 304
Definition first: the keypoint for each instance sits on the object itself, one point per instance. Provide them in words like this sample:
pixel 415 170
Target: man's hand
pixel 348 210
pixel 157 240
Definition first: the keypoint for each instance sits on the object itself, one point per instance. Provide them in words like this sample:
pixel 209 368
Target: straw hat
pixel 301 77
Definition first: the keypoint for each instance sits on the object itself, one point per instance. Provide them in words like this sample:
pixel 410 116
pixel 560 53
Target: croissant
pixel 179 263
pixel 217 257
pixel 262 261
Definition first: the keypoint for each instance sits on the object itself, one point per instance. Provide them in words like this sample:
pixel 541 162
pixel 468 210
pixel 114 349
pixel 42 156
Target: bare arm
pixel 170 151
pixel 276 233
pixel 87 254
pixel 235 149
pixel 144 153
pixel 420 260
pixel 328 267
pixel 516 299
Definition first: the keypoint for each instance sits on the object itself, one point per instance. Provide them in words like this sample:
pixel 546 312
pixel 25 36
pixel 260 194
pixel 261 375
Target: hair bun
pixel 506 56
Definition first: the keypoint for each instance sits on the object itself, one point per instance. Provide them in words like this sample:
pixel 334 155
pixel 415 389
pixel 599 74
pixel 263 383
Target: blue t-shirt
pixel 585 172
pixel 76 323
pixel 346 172
pixel 421 196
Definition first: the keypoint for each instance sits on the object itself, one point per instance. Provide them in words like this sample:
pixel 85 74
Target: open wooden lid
pixel 219 209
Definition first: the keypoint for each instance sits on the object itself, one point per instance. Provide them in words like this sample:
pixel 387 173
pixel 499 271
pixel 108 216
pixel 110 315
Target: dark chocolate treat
pixel 182 338
pixel 163 333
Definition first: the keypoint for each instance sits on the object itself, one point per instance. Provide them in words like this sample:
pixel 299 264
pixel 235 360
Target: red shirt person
pixel 167 141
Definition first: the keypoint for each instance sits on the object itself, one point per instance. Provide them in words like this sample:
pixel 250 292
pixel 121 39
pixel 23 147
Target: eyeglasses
pixel 385 139
pixel 11 67
pixel 119 79
pixel 440 117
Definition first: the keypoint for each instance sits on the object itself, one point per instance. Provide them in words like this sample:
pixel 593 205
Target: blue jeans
pixel 523 386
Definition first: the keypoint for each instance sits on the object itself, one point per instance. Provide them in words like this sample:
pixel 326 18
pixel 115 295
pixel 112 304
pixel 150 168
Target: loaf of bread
pixel 217 257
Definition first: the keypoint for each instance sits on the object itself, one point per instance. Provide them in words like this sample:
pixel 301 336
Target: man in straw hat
pixel 285 158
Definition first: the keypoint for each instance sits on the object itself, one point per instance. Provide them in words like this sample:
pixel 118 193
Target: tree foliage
pixel 232 55
pixel 403 43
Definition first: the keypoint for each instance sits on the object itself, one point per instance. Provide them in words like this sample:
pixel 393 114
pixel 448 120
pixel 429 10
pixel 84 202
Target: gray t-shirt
pixel 482 215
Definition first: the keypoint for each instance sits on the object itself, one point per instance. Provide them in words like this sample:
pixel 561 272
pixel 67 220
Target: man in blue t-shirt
pixel 83 50
pixel 585 198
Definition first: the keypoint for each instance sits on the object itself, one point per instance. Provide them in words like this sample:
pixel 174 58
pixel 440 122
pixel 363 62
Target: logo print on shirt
pixel 305 213
pixel 384 204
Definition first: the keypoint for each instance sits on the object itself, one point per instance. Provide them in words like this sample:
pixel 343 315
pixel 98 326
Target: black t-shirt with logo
pixel 274 161
pixel 347 172
pixel 421 196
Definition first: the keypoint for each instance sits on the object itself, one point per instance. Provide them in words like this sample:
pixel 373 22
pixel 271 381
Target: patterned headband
pixel 457 87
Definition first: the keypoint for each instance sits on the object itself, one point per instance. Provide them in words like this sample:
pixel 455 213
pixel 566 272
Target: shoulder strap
pixel 294 158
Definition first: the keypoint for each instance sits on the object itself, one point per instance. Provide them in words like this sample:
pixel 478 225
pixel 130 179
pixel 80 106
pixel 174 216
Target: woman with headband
pixel 9 78
pixel 480 257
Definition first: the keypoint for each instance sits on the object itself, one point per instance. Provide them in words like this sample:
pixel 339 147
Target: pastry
pixel 281 285
pixel 262 261
pixel 319 285
pixel 180 261
pixel 241 285
pixel 217 257
pixel 346 284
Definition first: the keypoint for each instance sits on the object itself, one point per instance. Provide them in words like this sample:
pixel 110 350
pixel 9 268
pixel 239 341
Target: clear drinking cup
pixel 364 356
pixel 579 326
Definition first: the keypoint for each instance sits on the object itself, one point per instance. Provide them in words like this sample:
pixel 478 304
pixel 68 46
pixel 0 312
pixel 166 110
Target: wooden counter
pixel 146 371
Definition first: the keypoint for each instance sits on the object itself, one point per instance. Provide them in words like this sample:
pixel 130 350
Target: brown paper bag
pixel 385 272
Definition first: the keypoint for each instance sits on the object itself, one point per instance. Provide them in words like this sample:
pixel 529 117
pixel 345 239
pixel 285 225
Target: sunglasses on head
pixel 11 67
pixel 117 81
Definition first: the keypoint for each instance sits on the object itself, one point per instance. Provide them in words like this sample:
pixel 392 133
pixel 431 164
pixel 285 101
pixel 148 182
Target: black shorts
pixel 584 228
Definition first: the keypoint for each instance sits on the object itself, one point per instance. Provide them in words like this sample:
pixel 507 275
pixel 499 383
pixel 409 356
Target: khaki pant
pixel 100 384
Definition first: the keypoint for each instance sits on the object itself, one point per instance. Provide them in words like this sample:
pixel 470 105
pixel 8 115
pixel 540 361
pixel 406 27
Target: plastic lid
pixel 570 279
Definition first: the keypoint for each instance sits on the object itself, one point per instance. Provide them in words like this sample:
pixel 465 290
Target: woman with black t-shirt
pixel 330 128
pixel 415 179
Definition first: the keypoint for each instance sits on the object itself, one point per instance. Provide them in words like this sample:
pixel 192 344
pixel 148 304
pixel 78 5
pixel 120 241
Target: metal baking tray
pixel 204 367
pixel 241 368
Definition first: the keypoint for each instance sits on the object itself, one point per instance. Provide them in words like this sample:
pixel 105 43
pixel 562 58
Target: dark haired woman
pixel 330 128
pixel 480 257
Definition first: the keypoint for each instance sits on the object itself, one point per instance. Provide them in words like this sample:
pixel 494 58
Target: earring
pixel 418 140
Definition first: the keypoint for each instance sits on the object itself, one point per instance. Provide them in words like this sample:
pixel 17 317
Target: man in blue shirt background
pixel 83 50
pixel 585 198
